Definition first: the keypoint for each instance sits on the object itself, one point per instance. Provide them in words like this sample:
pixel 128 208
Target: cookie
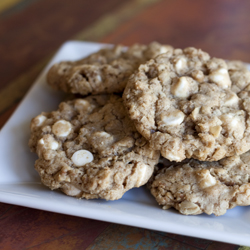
pixel 189 105
pixel 197 187
pixel 89 148
pixel 105 71
pixel 236 65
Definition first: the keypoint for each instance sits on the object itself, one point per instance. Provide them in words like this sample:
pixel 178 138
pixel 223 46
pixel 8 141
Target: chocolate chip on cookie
pixel 195 187
pixel 105 71
pixel 89 148
pixel 189 105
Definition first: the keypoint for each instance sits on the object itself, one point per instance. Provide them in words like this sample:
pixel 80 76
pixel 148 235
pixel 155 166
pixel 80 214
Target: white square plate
pixel 20 184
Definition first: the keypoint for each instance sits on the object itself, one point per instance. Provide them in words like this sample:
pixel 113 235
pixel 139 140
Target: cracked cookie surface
pixel 189 105
pixel 105 71
pixel 195 187
pixel 89 148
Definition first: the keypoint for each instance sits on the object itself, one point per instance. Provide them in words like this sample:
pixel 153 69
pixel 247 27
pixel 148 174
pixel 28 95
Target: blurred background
pixel 31 31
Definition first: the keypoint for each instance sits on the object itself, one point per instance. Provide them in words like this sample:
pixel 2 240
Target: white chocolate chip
pixel 229 119
pixel 102 139
pixel 127 142
pixel 82 102
pixel 49 143
pixel 71 190
pixel 102 134
pixel 188 207
pixel 231 100
pixel 180 64
pixel 198 75
pixel 210 181
pixel 181 88
pixel 61 128
pixel 215 130
pixel 82 105
pixel 40 119
pixel 173 157
pixel 164 49
pixel 173 118
pixel 54 145
pixel 234 124
pixel 99 78
pixel 220 77
pixel 41 141
pixel 226 117
pixel 195 113
pixel 206 179
pixel 63 177
pixel 82 157
pixel 142 174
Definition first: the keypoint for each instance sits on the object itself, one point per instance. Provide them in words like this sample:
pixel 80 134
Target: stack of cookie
pixel 192 109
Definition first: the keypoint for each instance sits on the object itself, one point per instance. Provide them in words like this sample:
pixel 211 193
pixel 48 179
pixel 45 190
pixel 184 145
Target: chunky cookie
pixel 105 71
pixel 89 148
pixel 236 65
pixel 189 105
pixel 197 187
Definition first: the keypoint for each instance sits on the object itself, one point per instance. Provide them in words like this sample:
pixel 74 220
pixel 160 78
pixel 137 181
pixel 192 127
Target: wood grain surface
pixel 30 33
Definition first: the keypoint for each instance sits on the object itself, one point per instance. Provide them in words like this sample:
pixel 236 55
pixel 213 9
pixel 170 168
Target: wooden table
pixel 30 33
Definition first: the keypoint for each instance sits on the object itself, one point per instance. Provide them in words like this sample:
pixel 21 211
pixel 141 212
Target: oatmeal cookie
pixel 189 105
pixel 89 148
pixel 105 71
pixel 195 187
pixel 236 65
